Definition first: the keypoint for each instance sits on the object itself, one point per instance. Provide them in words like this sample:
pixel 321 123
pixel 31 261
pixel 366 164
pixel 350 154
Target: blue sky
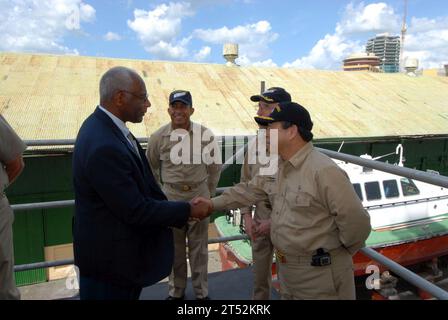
pixel 285 33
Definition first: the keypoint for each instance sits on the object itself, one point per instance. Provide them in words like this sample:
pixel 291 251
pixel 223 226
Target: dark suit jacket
pixel 121 226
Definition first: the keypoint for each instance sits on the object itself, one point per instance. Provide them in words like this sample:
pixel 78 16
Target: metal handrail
pixel 398 269
pixel 423 176
pixel 402 171
pixel 41 265
pixel 71 142
pixel 407 275
pixel 49 143
pixel 43 205
pixel 58 263
pixel 393 266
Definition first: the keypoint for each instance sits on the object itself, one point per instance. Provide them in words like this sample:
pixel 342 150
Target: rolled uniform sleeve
pixel 352 220
pixel 11 146
pixel 241 195
pixel 245 178
pixel 11 149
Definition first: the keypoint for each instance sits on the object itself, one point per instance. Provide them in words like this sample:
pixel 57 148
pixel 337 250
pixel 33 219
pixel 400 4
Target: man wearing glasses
pixel 258 226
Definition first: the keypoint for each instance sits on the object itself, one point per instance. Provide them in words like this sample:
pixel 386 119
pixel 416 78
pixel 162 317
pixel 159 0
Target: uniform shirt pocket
pixel 298 199
pixel 299 206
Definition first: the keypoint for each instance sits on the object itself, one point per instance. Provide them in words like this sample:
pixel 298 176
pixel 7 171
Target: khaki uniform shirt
pixel 314 205
pixel 11 147
pixel 196 171
pixel 248 172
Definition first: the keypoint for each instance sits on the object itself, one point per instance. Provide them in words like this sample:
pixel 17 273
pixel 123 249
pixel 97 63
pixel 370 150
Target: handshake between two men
pixel 201 208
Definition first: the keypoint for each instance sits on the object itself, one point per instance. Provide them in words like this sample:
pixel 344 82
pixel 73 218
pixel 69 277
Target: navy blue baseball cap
pixel 288 111
pixel 273 95
pixel 182 96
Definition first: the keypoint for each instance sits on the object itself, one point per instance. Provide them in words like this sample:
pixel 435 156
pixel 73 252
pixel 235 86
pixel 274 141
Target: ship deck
pixel 235 284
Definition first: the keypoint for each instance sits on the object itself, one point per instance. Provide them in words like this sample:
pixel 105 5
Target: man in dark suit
pixel 122 236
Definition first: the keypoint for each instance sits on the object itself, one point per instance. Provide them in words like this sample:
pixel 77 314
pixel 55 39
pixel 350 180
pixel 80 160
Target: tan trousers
pixel 196 234
pixel 299 280
pixel 262 254
pixel 8 289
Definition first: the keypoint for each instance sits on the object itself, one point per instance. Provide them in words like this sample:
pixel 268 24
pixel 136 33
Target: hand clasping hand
pixel 201 208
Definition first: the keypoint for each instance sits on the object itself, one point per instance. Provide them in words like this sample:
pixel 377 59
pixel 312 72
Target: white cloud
pixel 168 50
pixel 203 54
pixel 362 19
pixel 375 17
pixel 201 3
pixel 265 63
pixel 87 12
pixel 418 25
pixel 112 36
pixel 253 39
pixel 245 61
pixel 158 29
pixel 427 40
pixel 40 26
pixel 328 53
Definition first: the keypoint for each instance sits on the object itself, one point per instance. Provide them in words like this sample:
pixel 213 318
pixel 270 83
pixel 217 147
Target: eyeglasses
pixel 265 106
pixel 141 97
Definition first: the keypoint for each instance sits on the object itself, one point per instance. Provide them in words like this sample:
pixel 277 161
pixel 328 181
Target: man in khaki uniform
pixel 318 221
pixel 11 161
pixel 184 179
pixel 258 226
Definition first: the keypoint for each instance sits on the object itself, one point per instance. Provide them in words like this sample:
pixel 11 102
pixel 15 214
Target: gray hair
pixel 114 80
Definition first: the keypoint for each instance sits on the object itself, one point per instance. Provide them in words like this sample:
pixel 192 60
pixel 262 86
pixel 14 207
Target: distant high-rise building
pixel 387 48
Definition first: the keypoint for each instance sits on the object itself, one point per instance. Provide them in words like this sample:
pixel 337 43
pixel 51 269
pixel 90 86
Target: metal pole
pixel 49 143
pixel 71 142
pixel 427 177
pixel 61 142
pixel 48 264
pixel 230 238
pixel 401 171
pixel 407 275
pixel 402 272
pixel 43 205
pixel 221 190
pixel 41 265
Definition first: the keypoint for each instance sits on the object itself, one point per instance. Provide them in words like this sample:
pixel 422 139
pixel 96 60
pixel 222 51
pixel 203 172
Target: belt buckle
pixel 280 257
pixel 186 187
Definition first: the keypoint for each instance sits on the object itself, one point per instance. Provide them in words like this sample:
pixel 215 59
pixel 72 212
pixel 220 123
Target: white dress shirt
pixel 120 124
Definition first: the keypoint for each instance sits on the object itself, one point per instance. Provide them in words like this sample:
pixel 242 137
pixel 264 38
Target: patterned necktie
pixel 134 143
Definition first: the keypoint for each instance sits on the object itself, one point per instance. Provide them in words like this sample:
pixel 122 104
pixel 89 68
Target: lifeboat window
pixel 390 188
pixel 357 188
pixel 409 187
pixel 372 190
